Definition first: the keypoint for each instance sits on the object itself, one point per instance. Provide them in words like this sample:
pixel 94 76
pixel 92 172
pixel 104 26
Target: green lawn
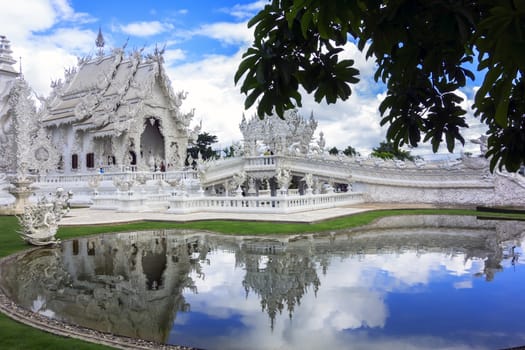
pixel 17 336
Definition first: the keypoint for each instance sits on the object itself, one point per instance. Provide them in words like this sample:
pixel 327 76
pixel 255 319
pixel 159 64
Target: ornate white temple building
pixel 114 133
pixel 117 109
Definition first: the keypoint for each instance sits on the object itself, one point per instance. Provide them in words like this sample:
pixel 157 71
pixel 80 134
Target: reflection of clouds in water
pixel 344 308
pixel 222 284
pixel 39 306
pixel 463 284
pixel 408 269
pixel 412 268
pixel 349 298
pixel 221 268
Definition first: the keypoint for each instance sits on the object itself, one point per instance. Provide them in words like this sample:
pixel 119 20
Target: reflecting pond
pixel 407 282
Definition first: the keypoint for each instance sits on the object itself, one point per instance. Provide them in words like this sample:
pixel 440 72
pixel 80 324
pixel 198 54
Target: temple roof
pixel 101 90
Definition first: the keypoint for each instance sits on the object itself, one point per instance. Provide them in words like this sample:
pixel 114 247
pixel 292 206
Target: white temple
pixel 114 133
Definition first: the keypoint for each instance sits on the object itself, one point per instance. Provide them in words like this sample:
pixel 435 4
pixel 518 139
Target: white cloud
pixel 46 49
pixel 42 66
pixel 217 102
pixel 245 11
pixel 70 39
pixel 145 29
pixel 171 56
pixel 67 13
pixel 21 18
pixel 226 32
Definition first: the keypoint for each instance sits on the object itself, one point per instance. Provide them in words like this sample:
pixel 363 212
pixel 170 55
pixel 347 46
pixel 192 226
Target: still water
pixel 415 282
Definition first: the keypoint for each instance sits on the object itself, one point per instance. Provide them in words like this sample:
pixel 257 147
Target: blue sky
pixel 204 42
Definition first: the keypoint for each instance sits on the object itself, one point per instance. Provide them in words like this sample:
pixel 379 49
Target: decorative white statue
pixel 309 180
pixel 292 134
pixel 482 142
pixel 238 180
pixel 39 222
pixel 283 177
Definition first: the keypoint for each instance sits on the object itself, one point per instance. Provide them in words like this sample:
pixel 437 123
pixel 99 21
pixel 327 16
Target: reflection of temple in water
pixel 280 277
pixel 132 284
pixel 127 284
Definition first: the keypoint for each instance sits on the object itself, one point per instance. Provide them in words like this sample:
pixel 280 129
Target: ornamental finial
pixel 100 42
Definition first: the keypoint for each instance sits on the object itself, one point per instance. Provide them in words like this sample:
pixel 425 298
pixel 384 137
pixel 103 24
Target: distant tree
pixel 228 152
pixel 350 151
pixel 203 145
pixel 333 151
pixel 387 150
pixel 424 52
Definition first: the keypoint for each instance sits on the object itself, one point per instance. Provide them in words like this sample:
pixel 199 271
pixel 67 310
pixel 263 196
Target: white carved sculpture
pixel 124 184
pixel 309 181
pixel 251 187
pixel 93 183
pixel 39 222
pixel 283 177
pixel 278 135
pixel 178 187
pixel 60 203
pixel 482 142
pixel 238 179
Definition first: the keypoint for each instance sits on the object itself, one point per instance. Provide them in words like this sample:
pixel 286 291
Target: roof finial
pixel 100 42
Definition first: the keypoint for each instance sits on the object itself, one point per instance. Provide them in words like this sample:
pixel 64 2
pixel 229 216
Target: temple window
pixel 90 160
pixel 133 158
pixel 74 161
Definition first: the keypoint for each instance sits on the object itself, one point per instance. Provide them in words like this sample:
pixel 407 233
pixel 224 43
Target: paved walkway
pixel 86 216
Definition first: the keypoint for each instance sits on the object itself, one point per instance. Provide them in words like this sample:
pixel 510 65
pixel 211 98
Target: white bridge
pixel 337 181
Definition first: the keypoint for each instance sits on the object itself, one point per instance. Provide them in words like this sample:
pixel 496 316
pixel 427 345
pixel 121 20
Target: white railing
pixel 261 162
pixel 281 204
pixel 221 169
pixel 109 176
pixel 133 202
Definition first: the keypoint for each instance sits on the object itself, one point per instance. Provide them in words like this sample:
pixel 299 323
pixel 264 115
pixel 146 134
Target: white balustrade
pixel 276 205
pixel 381 183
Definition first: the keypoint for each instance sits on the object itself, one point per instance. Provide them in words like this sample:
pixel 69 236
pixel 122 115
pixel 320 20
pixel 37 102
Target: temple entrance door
pixel 152 143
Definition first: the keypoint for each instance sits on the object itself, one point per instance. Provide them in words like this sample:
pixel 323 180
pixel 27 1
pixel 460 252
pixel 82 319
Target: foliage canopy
pixel 424 51
pixel 387 150
pixel 350 151
pixel 203 146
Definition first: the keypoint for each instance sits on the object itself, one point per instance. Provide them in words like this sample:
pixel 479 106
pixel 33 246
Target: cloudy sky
pixel 204 42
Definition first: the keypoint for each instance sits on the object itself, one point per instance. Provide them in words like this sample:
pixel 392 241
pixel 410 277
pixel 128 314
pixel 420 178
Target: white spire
pixel 100 42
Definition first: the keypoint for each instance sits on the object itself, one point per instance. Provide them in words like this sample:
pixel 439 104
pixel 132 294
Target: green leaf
pixel 501 112
pixel 306 23
pixel 488 83
pixel 503 104
pixel 252 97
pixel 260 16
pixel 246 64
